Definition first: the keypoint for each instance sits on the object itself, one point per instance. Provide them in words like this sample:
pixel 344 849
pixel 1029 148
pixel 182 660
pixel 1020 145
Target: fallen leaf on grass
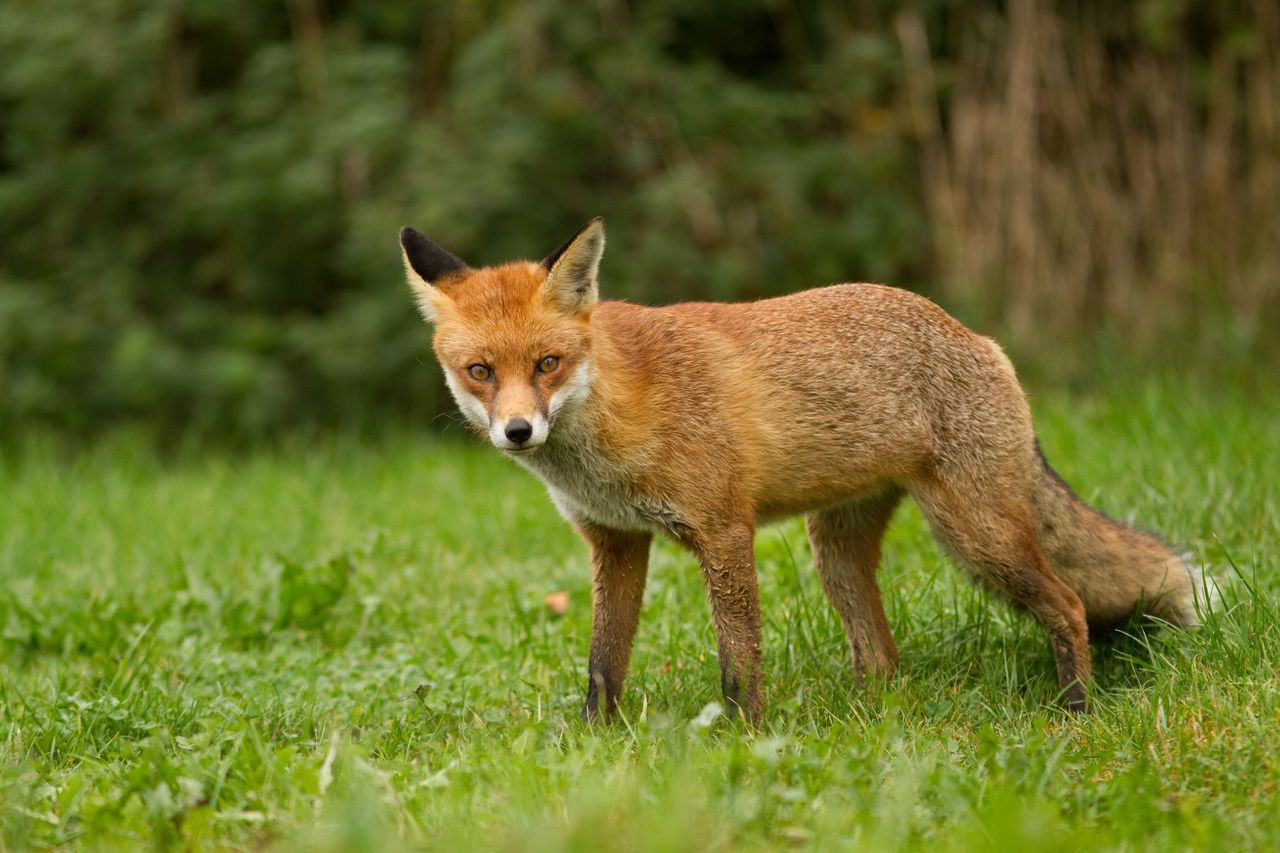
pixel 558 602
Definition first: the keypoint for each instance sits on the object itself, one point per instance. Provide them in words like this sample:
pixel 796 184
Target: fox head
pixel 514 340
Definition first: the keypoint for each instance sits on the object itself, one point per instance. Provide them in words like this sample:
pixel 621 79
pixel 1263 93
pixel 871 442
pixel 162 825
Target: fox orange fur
pixel 702 421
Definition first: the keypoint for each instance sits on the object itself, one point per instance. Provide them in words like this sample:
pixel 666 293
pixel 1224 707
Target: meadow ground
pixel 344 644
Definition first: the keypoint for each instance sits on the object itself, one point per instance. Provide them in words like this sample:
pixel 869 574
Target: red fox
pixel 702 421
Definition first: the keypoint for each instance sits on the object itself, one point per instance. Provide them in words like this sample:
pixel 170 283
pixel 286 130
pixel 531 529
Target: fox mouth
pixel 521 451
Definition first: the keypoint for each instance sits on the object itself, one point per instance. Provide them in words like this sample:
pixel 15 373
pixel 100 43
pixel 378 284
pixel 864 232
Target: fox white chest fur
pixel 586 484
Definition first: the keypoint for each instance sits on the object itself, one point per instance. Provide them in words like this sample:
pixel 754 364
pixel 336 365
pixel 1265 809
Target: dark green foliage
pixel 199 201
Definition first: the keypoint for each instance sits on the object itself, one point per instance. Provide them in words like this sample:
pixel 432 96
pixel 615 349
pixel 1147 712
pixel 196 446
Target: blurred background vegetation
pixel 199 200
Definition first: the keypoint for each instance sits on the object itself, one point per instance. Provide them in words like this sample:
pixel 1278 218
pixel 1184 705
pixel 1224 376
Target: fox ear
pixel 571 269
pixel 424 263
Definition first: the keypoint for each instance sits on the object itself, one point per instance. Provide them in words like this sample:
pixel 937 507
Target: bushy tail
pixel 1116 569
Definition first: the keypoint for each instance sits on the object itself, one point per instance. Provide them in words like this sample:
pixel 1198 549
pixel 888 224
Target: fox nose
pixel 519 430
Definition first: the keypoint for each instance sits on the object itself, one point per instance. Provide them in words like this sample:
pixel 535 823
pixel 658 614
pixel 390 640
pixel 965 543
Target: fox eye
pixel 548 364
pixel 479 372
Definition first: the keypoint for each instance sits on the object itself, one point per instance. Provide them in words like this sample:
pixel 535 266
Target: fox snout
pixel 520 432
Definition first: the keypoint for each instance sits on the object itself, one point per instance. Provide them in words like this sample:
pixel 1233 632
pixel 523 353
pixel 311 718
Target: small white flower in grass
pixel 438 779
pixel 770 749
pixel 706 716
pixel 326 768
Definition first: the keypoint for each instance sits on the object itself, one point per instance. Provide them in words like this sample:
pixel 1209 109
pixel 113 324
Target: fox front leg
pixel 619 565
pixel 729 569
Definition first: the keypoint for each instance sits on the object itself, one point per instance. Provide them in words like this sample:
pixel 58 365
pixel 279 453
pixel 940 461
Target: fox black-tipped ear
pixel 426 258
pixel 425 263
pixel 572 269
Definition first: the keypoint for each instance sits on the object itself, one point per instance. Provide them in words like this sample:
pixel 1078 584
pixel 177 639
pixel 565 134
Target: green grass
pixel 345 643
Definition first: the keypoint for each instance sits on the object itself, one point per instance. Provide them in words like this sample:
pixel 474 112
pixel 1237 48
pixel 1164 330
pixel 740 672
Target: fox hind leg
pixel 994 534
pixel 845 541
